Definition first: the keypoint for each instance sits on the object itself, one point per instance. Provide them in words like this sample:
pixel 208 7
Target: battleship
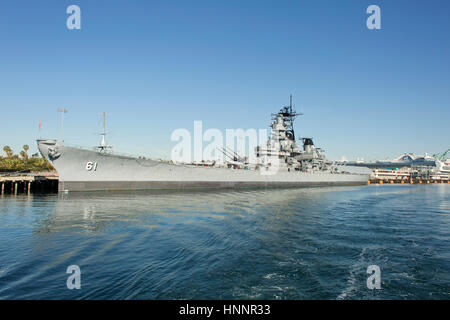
pixel 278 163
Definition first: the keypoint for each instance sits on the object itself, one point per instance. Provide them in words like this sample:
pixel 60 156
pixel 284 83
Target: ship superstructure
pixel 406 160
pixel 282 146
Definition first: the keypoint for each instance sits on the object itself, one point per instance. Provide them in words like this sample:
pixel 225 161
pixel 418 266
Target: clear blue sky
pixel 155 66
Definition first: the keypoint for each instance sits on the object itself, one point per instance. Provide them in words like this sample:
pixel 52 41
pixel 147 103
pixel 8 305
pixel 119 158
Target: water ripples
pixel 311 243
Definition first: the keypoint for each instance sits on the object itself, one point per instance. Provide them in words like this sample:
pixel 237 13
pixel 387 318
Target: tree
pixel 8 151
pixel 14 162
pixel 24 153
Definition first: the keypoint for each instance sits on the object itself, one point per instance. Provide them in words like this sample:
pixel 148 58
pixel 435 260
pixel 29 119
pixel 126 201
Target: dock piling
pixel 27 183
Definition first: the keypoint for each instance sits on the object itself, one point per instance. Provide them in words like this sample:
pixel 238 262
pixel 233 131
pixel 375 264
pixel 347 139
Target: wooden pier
pixel 29 183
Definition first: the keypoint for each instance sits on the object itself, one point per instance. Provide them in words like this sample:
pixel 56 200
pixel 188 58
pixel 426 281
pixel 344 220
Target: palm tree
pixel 8 151
pixel 24 153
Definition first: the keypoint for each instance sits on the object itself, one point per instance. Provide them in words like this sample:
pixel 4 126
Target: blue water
pixel 311 243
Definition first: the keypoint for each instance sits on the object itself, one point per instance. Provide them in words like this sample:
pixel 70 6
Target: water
pixel 311 243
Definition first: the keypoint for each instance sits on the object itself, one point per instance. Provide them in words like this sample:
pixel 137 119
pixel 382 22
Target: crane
pixel 442 156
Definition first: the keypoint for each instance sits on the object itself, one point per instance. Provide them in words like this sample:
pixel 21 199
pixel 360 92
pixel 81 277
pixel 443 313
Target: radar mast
pixel 103 145
pixel 289 115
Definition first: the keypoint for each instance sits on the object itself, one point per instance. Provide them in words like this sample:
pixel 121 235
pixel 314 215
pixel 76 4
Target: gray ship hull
pixel 88 170
pixel 190 185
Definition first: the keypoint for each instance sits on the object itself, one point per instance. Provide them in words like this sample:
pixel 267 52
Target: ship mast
pixel 290 103
pixel 62 110
pixel 291 117
pixel 103 145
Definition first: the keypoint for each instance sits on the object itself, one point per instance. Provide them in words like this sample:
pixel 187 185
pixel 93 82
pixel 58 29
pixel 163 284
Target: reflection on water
pixel 309 243
pixel 93 211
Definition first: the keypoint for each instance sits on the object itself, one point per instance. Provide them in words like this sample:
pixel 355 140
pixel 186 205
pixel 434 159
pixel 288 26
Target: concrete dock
pixel 48 182
pixel 407 181
pixel 29 183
